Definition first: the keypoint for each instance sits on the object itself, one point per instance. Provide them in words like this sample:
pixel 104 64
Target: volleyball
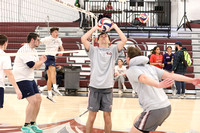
pixel 143 18
pixel 105 23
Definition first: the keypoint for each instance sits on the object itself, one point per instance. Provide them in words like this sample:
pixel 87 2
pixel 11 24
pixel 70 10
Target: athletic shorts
pixel 49 62
pixel 100 99
pixel 28 88
pixel 1 97
pixel 149 121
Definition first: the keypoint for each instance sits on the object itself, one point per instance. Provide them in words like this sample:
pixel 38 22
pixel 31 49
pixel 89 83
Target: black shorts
pixel 49 62
pixel 1 97
pixel 28 88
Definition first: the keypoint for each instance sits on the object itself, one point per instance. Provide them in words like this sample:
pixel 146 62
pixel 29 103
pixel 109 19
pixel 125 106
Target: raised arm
pixel 178 77
pixel 84 38
pixel 121 35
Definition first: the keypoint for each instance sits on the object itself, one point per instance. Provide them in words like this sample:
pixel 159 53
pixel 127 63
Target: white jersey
pixel 121 70
pixel 52 44
pixel 20 69
pixel 150 98
pixel 5 63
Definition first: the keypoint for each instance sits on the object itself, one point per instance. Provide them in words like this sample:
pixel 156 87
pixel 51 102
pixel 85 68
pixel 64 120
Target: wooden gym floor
pixel 63 116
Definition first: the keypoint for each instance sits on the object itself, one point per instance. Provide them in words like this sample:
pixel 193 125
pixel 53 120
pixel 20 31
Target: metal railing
pixel 127 14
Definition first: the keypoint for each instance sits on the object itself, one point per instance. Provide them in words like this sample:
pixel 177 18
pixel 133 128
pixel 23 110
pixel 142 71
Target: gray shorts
pixel 100 99
pixel 149 121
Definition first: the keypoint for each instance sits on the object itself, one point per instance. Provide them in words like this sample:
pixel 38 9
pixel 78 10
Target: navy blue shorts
pixel 49 62
pixel 1 97
pixel 28 88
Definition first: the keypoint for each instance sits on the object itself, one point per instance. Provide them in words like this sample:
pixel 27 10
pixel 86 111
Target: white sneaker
pixel 42 88
pixel 57 91
pixel 120 91
pixel 51 99
pixel 124 88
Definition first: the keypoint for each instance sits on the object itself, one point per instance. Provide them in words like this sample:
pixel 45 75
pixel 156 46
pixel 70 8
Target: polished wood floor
pixel 185 114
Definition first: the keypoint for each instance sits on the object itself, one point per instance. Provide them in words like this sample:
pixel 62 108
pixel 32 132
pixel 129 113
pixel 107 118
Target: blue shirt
pixel 168 58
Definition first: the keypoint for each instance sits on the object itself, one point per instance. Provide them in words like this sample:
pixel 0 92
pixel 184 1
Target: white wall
pixel 192 9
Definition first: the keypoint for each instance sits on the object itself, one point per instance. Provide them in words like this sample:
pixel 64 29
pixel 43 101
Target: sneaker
pixel 174 92
pixel 120 91
pixel 51 99
pixel 182 96
pixel 133 92
pixel 57 91
pixel 27 129
pixel 43 88
pixel 36 129
pixel 124 88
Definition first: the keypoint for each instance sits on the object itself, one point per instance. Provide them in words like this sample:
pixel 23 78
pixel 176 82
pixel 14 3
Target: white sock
pixel 49 93
pixel 55 86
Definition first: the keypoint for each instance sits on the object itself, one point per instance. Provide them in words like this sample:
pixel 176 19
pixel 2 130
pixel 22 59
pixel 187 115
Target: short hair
pixel 121 60
pixel 133 52
pixel 102 34
pixel 53 29
pixel 32 35
pixel 3 39
pixel 178 43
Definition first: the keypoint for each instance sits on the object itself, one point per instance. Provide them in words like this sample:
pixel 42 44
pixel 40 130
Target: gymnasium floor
pixel 63 116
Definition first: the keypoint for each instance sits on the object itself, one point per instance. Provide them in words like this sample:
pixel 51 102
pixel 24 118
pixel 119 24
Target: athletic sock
pixel 49 93
pixel 32 123
pixel 26 124
pixel 55 86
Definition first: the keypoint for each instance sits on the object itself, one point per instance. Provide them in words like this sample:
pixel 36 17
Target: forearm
pixel 148 81
pixel 176 77
pixel 84 38
pixel 61 48
pixel 38 64
pixel 12 80
pixel 121 34
pixel 88 34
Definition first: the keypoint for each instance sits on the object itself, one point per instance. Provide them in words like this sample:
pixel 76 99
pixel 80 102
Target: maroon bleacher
pixel 17 33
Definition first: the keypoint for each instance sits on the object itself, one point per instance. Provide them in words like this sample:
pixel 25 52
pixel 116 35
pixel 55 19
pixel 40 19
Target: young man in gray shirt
pixel 152 98
pixel 102 60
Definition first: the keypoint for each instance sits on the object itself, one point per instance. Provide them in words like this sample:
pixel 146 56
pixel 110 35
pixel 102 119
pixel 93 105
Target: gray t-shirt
pixel 150 97
pixel 102 66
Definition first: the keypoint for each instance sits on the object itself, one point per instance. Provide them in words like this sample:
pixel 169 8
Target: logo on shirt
pixel 108 53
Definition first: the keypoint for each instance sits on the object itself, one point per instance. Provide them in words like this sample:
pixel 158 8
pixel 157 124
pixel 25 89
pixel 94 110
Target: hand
pixel 165 83
pixel 22 44
pixel 98 28
pixel 43 58
pixel 19 94
pixel 113 26
pixel 60 54
pixel 196 82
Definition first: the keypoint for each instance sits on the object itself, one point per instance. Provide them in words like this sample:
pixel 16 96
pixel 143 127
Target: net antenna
pixel 80 10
